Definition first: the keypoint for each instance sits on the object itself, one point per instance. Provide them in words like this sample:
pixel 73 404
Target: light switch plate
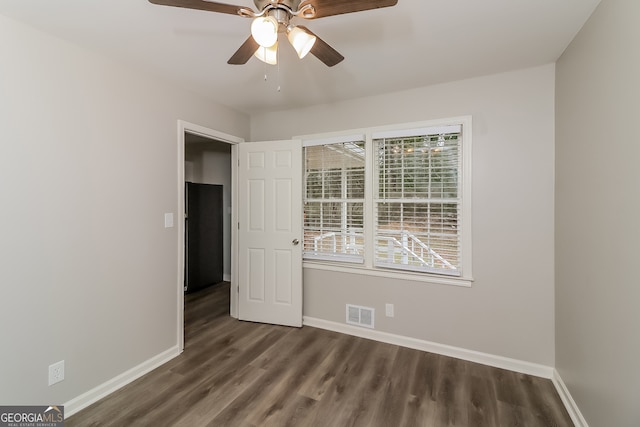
pixel 168 220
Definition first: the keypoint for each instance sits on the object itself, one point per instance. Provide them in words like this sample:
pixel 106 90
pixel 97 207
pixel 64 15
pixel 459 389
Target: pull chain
pixel 278 71
pixel 265 64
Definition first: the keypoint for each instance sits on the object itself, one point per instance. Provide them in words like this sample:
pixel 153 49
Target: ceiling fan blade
pixel 323 51
pixel 244 53
pixel 339 7
pixel 210 6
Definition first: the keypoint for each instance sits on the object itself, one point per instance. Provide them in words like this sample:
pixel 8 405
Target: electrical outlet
pixel 56 372
pixel 389 310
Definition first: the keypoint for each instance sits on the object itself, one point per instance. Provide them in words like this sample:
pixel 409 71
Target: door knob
pixel 295 242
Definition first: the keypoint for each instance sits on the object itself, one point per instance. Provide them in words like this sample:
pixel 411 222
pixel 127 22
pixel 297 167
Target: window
pixel 391 199
pixel 416 199
pixel 334 199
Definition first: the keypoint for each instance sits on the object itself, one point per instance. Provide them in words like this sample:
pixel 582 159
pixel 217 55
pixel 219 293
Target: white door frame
pixel 195 129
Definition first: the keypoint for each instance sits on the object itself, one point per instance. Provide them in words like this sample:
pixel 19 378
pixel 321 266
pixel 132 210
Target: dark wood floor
pixel 244 374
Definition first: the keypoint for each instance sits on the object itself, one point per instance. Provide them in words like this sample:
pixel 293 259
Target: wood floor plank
pixel 219 396
pixel 510 389
pixel 373 391
pixel 255 401
pixel 321 377
pixel 111 410
pixel 544 401
pixel 482 397
pixel 280 403
pixel 221 345
pixel 452 391
pixel 340 403
pixel 242 374
pixel 359 386
pixel 422 405
pixel 510 415
pixel 296 412
pixel 482 406
pixel 390 411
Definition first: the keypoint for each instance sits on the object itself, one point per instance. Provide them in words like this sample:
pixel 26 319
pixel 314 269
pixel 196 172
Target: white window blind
pixel 334 199
pixel 417 200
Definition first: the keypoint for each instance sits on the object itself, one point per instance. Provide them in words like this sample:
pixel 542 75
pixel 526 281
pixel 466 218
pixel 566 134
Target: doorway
pixel 208 212
pixel 206 156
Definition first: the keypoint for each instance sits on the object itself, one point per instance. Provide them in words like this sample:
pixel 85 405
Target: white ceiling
pixel 415 43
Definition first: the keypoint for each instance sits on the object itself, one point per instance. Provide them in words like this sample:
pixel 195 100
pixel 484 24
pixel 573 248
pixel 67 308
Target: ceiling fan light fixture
pixel 268 55
pixel 264 30
pixel 301 41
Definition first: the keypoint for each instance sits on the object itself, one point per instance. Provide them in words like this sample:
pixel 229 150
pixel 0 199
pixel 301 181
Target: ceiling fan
pixel 274 17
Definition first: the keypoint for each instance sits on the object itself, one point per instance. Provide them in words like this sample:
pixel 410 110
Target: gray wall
pixel 509 310
pixel 598 208
pixel 88 167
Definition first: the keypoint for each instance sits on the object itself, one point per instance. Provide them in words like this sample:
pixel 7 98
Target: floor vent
pixel 360 316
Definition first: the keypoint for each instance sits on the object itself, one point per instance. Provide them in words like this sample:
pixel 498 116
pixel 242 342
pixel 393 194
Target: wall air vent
pixel 360 316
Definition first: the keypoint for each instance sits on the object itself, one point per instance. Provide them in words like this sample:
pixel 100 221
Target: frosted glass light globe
pixel 264 30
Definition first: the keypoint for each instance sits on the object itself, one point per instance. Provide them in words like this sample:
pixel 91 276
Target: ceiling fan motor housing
pixel 291 4
pixel 282 16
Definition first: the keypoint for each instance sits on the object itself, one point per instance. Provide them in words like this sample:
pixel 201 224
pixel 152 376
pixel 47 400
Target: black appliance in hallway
pixel 203 236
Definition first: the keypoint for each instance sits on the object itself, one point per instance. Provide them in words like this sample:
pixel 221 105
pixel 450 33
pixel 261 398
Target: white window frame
pixel 368 268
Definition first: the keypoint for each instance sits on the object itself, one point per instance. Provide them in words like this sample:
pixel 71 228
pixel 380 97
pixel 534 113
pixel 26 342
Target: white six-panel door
pixel 269 232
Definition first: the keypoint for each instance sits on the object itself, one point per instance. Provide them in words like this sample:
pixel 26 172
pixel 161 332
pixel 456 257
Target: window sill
pixel 391 274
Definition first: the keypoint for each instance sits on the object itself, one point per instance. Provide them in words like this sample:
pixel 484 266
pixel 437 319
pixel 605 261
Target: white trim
pixel 423 131
pixel 333 140
pixel 208 133
pixel 192 128
pixel 84 400
pixel 388 273
pixel 466 232
pixel 567 399
pixel 233 311
pixel 431 347
pixel 182 127
pixel 414 268
pixel 338 257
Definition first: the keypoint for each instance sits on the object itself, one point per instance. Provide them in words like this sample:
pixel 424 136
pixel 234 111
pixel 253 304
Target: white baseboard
pixel 97 393
pixel 226 277
pixel 569 403
pixel 431 347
